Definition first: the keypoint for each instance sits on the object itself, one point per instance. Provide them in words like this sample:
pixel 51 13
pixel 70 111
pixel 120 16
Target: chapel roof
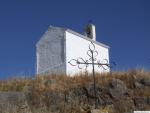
pixel 78 34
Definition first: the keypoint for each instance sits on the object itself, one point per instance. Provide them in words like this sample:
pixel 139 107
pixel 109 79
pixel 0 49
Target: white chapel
pixel 58 46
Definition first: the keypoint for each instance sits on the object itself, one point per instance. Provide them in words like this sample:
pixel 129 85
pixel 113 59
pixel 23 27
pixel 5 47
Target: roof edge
pixel 86 38
pixel 50 27
pixel 75 33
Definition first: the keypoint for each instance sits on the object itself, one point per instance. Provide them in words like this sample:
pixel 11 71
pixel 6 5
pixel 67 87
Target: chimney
pixel 90 31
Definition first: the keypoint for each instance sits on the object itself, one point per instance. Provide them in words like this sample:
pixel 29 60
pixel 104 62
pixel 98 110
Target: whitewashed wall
pixel 50 52
pixel 58 46
pixel 77 47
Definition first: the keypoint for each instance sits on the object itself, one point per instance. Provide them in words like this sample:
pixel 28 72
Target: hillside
pixel 116 92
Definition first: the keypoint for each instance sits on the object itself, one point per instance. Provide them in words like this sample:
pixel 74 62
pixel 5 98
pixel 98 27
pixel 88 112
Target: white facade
pixel 58 46
pixel 77 47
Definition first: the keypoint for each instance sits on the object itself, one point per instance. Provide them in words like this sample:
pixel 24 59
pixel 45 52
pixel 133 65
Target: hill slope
pixel 117 92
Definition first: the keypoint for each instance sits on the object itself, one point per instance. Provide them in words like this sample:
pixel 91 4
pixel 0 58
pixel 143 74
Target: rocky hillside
pixel 117 92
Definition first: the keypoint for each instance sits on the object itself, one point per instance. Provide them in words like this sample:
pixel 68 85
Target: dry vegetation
pixel 52 93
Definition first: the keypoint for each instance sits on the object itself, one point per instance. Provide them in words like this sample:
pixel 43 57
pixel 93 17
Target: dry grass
pixel 62 84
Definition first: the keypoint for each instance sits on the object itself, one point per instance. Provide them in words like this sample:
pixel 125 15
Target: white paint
pixel 93 31
pixel 58 46
pixel 77 47
pixel 37 64
pixel 50 51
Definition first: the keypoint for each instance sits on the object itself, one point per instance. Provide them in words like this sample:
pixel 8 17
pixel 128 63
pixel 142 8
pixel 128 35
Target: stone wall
pixel 13 102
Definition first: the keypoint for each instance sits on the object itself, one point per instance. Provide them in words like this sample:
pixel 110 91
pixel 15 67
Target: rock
pixel 108 108
pixel 124 106
pixel 98 111
pixel 77 94
pixel 85 109
pixel 140 102
pixel 91 94
pixel 117 88
pixel 13 102
pixel 90 90
pixel 138 85
pixel 10 97
pixel 53 97
pixel 146 81
pixel 105 99
pixel 148 100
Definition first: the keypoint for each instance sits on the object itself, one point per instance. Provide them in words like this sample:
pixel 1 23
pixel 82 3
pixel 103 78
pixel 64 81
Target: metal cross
pixel 92 53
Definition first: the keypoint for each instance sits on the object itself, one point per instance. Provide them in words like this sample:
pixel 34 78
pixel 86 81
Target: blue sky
pixel 124 25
